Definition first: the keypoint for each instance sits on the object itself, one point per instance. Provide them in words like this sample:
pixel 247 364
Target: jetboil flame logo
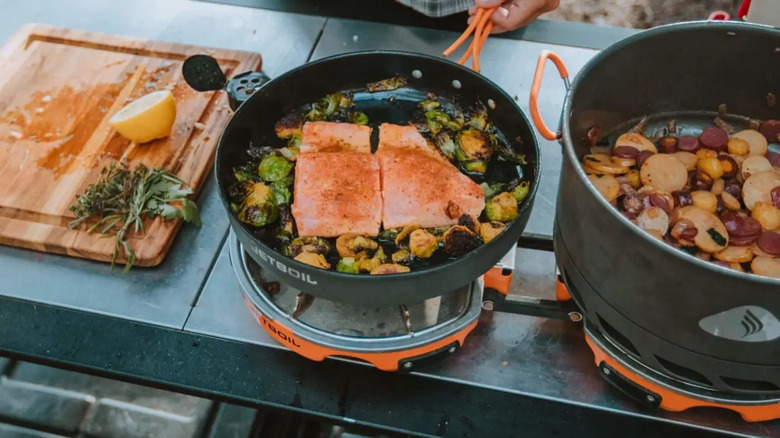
pixel 294 273
pixel 744 324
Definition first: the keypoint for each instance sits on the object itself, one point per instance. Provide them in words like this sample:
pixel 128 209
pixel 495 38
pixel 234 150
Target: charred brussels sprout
pixel 289 126
pixel 244 173
pixel 259 207
pixel 367 264
pixel 521 191
pixel 348 265
pixel 388 84
pixel 273 168
pixel 492 189
pixel 446 144
pixel 489 230
pixel 473 145
pixel 459 240
pixel 280 192
pixel 389 236
pixel 429 104
pixel 502 208
pixel 389 268
pixel 401 256
pixel 358 118
pixel 315 114
pixel 422 244
pixel 313 259
pixel 353 245
pixel 438 120
pixel 315 245
pixel 479 166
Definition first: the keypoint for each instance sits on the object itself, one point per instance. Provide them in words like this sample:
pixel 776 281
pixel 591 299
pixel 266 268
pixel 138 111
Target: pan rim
pixel 355 278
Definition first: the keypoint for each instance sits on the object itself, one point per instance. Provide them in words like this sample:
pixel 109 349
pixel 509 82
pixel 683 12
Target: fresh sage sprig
pixel 122 198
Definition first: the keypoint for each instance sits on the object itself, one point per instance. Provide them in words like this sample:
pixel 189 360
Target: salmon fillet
pixel 337 193
pixel 406 137
pixel 335 137
pixel 418 183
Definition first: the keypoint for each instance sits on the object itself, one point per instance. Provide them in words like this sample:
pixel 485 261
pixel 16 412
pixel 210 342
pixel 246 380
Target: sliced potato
pixel 766 214
pixel 718 186
pixel 758 188
pixel 603 163
pixel 736 267
pixel 664 172
pixel 313 259
pixel 735 254
pixel 637 141
pixel 730 201
pixel 653 218
pixel 758 252
pixel 688 159
pixel 755 164
pixel 766 266
pixel 708 227
pixel 705 200
pixel 655 233
pixel 756 141
pixel 607 185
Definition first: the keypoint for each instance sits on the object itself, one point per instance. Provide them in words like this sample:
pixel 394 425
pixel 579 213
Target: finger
pixel 473 10
pixel 470 20
pixel 516 15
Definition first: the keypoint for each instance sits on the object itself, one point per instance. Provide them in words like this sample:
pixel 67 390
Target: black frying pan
pixel 260 105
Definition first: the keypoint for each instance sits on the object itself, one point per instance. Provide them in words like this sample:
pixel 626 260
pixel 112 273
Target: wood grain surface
pixel 58 89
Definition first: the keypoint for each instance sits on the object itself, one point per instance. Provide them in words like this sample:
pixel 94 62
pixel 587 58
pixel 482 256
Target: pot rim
pixel 475 254
pixel 568 147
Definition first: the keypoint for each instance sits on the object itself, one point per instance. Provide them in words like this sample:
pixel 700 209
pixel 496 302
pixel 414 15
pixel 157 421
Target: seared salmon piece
pixel 418 184
pixel 337 193
pixel 405 137
pixel 335 137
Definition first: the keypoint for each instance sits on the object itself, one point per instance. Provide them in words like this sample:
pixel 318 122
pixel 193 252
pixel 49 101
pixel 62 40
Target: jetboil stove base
pixel 404 338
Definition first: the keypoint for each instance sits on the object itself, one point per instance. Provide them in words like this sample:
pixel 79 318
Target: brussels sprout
pixel 387 84
pixel 389 235
pixel 354 245
pixel 401 256
pixel 273 168
pixel 244 173
pixel 490 230
pixel 479 166
pixel 286 220
pixel 492 189
pixel 521 191
pixel 259 152
pixel 459 240
pixel 259 207
pixel 446 144
pixel 429 104
pixel 502 208
pixel 315 115
pixel 280 192
pixel 368 264
pixel 469 222
pixel 295 140
pixel 389 268
pixel 348 265
pixel 473 145
pixel 438 231
pixel 289 126
pixel 358 118
pixel 290 152
pixel 422 244
pixel 478 121
pixel 407 230
pixel 311 244
pixel 437 120
pixel 313 259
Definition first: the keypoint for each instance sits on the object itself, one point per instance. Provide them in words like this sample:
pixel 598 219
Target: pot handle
pixel 537 84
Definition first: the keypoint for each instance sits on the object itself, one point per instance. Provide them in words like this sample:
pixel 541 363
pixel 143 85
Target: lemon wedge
pixel 147 118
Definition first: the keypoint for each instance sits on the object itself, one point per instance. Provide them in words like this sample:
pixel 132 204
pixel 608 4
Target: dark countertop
pixel 182 326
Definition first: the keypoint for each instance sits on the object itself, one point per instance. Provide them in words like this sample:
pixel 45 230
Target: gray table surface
pixel 195 288
pixel 161 295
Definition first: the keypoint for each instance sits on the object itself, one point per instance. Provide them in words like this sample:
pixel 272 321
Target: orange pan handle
pixel 537 84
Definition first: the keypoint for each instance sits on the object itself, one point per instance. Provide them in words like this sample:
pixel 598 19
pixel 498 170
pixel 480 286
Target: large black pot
pixel 647 297
pixel 254 121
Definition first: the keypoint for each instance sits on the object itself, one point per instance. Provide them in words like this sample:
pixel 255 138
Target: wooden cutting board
pixel 58 89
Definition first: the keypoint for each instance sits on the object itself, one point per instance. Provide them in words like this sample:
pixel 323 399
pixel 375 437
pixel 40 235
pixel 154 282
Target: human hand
pixel 513 14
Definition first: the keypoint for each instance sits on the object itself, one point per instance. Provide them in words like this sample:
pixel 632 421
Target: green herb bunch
pixel 122 198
